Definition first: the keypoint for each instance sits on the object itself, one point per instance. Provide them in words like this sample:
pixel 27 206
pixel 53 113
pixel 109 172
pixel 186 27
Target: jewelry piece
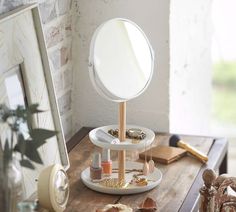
pixel 151 163
pixel 136 133
pixel 145 165
pixel 113 183
pixel 132 133
pixel 114 170
pixel 139 181
pixel 145 169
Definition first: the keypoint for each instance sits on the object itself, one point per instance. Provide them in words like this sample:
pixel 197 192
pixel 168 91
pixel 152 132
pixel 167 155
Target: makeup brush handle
pixel 196 153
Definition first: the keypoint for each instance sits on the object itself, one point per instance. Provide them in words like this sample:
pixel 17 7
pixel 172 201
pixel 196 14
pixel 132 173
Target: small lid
pixel 105 154
pixel 96 161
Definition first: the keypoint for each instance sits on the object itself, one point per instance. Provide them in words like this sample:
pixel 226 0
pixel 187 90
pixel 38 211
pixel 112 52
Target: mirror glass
pixel 121 60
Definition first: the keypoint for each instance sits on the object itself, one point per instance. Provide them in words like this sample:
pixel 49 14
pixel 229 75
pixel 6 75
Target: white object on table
pixel 124 145
pixel 106 137
pixel 154 180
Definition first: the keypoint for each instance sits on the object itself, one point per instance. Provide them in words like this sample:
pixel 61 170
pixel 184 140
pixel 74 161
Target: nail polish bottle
pixel 106 162
pixel 96 168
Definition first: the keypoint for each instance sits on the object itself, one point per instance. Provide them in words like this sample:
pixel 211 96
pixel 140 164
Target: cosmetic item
pixel 95 168
pixel 176 141
pixel 106 162
pixel 106 137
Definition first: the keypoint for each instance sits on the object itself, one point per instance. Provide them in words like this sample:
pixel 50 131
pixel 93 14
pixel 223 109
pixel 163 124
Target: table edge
pixel 218 151
pixel 216 155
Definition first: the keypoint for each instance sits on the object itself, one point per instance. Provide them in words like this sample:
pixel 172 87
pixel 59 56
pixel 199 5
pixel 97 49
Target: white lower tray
pixel 154 179
pixel 125 145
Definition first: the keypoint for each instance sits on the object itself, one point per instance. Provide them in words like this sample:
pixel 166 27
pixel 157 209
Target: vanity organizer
pixel 121 65
pixel 134 180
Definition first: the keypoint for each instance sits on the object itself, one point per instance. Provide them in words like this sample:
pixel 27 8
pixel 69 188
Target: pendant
pixel 145 169
pixel 151 165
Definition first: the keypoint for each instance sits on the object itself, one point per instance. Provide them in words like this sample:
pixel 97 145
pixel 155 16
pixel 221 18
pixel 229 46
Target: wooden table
pixel 178 190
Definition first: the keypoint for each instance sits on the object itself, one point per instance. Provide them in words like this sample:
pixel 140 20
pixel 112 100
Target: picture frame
pixel 22 47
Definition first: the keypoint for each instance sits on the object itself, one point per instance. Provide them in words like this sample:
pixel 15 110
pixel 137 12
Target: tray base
pixel 154 179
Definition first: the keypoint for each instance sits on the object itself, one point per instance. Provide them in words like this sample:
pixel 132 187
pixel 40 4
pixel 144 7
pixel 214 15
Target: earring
pixel 145 165
pixel 151 163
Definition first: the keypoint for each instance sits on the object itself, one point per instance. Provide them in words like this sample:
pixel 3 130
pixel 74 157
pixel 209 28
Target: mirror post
pixel 122 136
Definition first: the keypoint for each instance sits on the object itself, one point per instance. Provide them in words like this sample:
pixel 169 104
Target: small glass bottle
pixel 95 168
pixel 106 162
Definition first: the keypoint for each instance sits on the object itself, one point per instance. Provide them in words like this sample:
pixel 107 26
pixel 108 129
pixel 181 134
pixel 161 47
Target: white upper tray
pixel 125 145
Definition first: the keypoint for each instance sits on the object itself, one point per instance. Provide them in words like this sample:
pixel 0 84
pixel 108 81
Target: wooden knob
pixel 208 177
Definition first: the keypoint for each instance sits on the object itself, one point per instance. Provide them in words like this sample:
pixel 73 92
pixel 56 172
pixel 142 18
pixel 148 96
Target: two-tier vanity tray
pixel 121 66
pixel 153 179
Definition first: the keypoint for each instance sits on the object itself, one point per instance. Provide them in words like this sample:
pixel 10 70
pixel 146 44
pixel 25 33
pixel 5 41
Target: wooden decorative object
pixel 214 193
pixel 122 133
pixel 163 154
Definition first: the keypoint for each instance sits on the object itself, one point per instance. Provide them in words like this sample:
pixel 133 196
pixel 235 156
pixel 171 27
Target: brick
pixel 63 6
pixel 68 26
pixel 67 76
pixel 53 35
pixel 54 58
pixel 6 5
pixel 60 57
pixel 48 10
pixel 67 126
pixel 65 55
pixel 58 82
pixel 64 103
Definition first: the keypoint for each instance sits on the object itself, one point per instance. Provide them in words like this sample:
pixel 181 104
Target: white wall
pixel 178 98
pixel 190 66
pixel 152 108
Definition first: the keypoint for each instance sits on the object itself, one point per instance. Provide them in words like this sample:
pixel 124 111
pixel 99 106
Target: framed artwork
pixel 25 78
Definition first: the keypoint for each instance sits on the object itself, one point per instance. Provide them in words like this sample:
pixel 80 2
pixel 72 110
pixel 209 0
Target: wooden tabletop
pixel 172 193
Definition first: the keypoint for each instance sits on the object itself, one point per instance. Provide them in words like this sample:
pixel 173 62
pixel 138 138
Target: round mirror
pixel 121 60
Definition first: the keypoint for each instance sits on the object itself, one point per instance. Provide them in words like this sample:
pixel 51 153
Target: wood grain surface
pixel 170 194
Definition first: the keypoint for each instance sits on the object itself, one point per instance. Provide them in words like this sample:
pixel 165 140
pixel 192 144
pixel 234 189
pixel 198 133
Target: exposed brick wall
pixel 57 24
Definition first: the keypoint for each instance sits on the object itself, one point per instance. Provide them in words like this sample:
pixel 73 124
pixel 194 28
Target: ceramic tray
pixel 125 145
pixel 154 179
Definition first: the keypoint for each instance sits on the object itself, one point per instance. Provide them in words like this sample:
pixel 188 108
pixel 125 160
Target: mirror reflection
pixel 122 60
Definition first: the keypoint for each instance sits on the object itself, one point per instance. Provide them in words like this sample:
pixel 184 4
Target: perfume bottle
pixel 106 162
pixel 95 168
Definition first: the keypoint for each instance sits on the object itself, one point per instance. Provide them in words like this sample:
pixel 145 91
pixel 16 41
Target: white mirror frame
pixel 97 83
pixel 22 44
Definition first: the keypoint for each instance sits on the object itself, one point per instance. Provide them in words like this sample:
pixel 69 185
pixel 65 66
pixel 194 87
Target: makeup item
pixel 163 154
pixel 106 137
pixel 176 141
pixel 106 162
pixel 95 168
